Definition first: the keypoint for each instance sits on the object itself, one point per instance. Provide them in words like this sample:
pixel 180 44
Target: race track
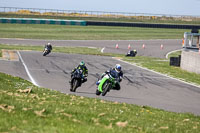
pixel 139 86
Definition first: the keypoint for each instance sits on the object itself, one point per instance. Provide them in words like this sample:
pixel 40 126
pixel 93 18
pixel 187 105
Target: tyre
pixel 117 87
pixel 98 92
pixel 74 85
pixel 44 54
pixel 106 88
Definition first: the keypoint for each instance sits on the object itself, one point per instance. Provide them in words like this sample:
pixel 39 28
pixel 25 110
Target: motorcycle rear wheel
pixel 98 92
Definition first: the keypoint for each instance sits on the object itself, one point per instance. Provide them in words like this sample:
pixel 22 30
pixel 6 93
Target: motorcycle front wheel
pixel 74 85
pixel 106 88
pixel 45 53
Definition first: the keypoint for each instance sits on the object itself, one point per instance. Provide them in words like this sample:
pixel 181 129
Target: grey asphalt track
pixel 139 86
pixel 152 47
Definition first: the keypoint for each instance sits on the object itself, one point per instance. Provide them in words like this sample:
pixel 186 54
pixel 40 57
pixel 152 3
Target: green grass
pixel 175 54
pixel 48 111
pixel 162 66
pixel 122 19
pixel 60 32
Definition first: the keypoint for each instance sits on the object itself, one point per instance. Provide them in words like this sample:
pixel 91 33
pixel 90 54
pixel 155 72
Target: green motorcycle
pixel 107 83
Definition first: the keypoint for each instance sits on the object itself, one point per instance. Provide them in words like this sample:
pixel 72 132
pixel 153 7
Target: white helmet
pixel 118 68
pixel 48 43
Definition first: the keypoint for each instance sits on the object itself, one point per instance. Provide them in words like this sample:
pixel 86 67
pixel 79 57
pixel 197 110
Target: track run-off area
pixel 139 86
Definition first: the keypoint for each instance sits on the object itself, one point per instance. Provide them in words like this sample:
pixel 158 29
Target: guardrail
pixel 55 12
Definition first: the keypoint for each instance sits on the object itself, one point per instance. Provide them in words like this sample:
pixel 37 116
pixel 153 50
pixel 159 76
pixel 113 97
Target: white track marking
pixel 92 47
pixel 192 84
pixel 129 75
pixel 27 71
pixel 102 50
pixel 172 52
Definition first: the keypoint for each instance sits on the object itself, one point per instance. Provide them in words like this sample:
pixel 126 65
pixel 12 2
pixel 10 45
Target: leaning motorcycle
pixel 107 83
pixel 46 52
pixel 76 79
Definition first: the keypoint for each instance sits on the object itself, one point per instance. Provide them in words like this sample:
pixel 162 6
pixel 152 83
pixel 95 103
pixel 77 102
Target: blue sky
pixel 174 7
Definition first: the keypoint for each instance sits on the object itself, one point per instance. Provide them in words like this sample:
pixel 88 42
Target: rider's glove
pixel 107 72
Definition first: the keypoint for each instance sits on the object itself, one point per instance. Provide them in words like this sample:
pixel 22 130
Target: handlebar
pixel 116 79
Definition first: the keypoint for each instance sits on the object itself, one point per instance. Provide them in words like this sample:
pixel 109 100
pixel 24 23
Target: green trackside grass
pixel 162 66
pixel 27 108
pixel 61 32
pixel 174 54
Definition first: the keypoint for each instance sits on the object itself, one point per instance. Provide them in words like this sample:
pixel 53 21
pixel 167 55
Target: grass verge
pixel 60 32
pixel 162 66
pixel 27 108
pixel 175 54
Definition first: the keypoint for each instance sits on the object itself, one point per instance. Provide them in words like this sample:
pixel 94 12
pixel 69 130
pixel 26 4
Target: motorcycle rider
pixel 84 69
pixel 48 47
pixel 115 72
pixel 132 53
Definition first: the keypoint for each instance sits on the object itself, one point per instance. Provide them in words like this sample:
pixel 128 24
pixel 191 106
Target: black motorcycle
pixel 46 52
pixel 76 79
